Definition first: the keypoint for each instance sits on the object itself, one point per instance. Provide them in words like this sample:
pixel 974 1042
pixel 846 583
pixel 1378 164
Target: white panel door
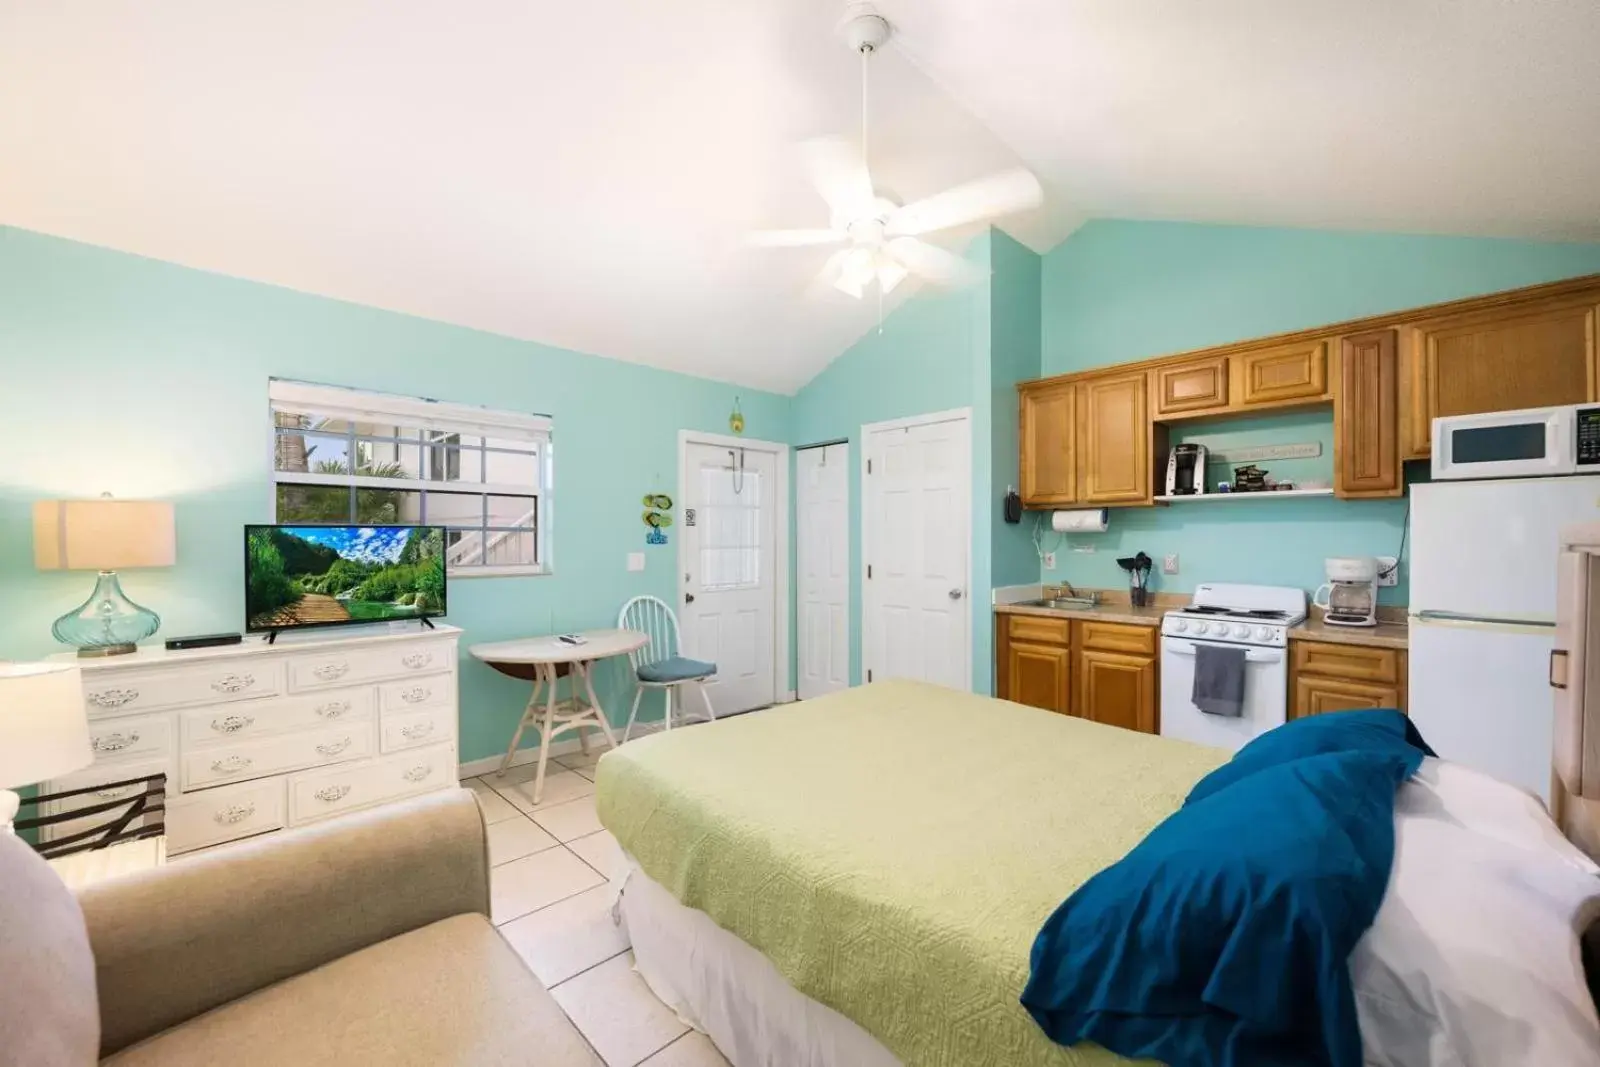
pixel 916 513
pixel 822 561
pixel 730 580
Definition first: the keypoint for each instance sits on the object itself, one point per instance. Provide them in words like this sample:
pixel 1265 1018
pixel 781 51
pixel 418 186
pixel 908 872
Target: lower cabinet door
pixel 1038 675
pixel 1118 690
pixel 1313 696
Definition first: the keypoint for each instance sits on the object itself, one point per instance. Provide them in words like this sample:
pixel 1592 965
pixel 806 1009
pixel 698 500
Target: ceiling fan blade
pixel 828 277
pixel 934 263
pixel 794 238
pixel 839 172
pixel 986 198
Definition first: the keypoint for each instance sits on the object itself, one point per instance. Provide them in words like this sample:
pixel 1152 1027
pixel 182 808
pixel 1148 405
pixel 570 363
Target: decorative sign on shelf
pixel 1263 453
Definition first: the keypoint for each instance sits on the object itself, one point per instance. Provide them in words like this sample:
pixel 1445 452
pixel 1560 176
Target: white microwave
pixel 1533 443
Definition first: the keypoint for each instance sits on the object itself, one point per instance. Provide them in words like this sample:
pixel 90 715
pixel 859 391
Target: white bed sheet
pixel 723 987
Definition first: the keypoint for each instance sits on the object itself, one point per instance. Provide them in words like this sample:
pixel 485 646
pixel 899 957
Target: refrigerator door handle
pixel 1430 615
pixel 1562 684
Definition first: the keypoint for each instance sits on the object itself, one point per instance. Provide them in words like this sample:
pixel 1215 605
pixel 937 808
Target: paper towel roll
pixel 1084 520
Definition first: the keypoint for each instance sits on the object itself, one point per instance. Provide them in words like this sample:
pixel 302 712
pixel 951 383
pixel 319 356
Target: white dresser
pixel 256 737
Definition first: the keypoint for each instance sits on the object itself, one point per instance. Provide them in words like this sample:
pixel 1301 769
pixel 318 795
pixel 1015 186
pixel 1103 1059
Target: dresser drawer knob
pixel 416 694
pixel 115 741
pixel 231 724
pixel 113 698
pixel 417 773
pixel 329 671
pixel 231 765
pixel 333 709
pixel 417 660
pixel 416 730
pixel 234 814
pixel 112 794
pixel 331 793
pixel 333 748
pixel 233 683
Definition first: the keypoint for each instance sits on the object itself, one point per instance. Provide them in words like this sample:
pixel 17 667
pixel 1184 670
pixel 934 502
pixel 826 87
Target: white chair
pixel 658 665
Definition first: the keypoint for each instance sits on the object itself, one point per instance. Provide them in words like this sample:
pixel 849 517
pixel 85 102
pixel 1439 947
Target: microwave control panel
pixel 1588 433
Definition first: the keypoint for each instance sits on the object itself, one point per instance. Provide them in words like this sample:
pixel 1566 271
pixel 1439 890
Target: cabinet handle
pixel 235 814
pixel 231 724
pixel 333 748
pixel 416 730
pixel 113 698
pixel 418 773
pixel 231 765
pixel 115 742
pixel 416 694
pixel 332 709
pixel 112 794
pixel 1562 684
pixel 331 793
pixel 233 683
pixel 329 671
pixel 417 660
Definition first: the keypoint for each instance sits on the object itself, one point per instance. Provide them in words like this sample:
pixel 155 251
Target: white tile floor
pixel 548 894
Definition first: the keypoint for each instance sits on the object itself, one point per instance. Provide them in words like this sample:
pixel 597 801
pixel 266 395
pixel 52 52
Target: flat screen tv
pixel 298 576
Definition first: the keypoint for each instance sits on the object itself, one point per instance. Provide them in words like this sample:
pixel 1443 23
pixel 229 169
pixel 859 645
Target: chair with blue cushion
pixel 658 664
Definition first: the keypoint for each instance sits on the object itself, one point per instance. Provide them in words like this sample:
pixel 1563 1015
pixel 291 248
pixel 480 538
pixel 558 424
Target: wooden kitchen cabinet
pixel 1049 472
pixel 1117 689
pixel 1194 386
pixel 1290 372
pixel 1366 417
pixel 1327 676
pixel 1523 355
pixel 1114 440
pixel 1039 676
pixel 1096 670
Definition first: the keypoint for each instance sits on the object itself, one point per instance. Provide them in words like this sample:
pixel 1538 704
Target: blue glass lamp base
pixel 108 623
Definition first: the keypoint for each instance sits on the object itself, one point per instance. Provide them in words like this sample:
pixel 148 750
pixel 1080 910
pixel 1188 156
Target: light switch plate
pixel 636 561
pixel 1388 573
pixel 1169 565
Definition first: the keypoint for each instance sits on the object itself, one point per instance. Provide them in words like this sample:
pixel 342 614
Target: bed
pixel 934 833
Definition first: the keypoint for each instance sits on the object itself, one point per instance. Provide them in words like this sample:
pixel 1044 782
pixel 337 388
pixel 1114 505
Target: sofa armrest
pixel 176 941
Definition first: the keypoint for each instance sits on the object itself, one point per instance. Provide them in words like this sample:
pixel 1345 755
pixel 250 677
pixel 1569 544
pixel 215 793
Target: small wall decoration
pixel 736 420
pixel 657 517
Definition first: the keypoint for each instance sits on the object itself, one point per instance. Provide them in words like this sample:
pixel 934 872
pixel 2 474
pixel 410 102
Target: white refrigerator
pixel 1482 618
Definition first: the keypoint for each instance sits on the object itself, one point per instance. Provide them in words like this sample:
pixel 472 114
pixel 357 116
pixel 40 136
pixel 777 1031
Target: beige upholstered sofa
pixel 361 940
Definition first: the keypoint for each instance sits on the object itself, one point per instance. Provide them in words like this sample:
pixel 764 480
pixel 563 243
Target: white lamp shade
pixel 44 729
pixel 103 534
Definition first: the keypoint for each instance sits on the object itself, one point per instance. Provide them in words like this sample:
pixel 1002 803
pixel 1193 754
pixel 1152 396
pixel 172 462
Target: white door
pixel 916 526
pixel 730 573
pixel 822 559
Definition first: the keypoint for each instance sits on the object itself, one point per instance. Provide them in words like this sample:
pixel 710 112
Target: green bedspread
pixel 894 849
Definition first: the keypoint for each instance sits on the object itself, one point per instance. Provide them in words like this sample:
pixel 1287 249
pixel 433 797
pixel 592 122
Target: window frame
pixel 429 417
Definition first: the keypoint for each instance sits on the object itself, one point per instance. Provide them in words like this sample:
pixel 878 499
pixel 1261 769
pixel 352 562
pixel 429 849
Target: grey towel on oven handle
pixel 1219 680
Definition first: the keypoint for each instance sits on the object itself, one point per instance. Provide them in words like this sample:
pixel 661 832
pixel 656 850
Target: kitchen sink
pixel 1068 603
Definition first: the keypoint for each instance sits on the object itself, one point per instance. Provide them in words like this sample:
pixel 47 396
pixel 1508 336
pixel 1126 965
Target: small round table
pixel 542 660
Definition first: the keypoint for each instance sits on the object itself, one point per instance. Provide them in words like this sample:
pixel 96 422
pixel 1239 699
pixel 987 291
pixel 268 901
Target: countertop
pixel 1391 631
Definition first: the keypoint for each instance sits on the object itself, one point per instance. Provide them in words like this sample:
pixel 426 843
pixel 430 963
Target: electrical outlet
pixel 1049 561
pixel 1169 565
pixel 1388 573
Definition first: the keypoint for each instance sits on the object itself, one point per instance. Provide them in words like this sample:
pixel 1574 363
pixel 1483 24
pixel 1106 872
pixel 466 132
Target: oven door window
pixel 1498 444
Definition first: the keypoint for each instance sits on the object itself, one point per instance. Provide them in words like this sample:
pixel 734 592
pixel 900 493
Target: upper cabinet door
pixel 1114 440
pixel 1049 467
pixel 1366 417
pixel 1192 386
pixel 1276 375
pixel 1526 356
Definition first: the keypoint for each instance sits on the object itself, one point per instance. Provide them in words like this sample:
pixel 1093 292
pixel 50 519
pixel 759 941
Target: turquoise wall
pixel 1117 291
pixel 146 379
pixel 1014 341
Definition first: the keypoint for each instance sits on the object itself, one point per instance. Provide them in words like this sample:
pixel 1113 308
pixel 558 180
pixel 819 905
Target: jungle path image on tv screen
pixel 311 575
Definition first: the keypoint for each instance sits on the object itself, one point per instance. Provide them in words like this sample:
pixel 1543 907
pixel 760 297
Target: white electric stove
pixel 1255 618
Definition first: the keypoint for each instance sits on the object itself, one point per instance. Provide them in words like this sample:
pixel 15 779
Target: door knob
pixel 688 598
pixel 955 594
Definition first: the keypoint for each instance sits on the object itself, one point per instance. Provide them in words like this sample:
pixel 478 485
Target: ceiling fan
pixel 883 236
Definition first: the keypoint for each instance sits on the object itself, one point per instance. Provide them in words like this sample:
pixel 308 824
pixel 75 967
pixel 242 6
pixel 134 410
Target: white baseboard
pixel 473 768
pixel 789 698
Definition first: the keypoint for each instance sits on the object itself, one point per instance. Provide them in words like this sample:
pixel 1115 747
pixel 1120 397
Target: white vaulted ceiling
pixel 580 174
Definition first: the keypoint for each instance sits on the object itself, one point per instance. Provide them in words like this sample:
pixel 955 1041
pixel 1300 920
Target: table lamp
pixel 103 535
pixel 44 731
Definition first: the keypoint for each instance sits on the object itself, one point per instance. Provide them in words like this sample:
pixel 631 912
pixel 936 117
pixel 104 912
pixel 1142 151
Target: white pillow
pixel 1473 960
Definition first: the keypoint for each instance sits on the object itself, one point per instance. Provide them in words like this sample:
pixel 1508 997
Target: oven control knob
pixel 1179 626
pixel 1203 628
pixel 1241 631
pixel 1263 632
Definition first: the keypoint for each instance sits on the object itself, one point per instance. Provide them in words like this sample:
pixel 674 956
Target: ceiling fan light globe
pixel 890 274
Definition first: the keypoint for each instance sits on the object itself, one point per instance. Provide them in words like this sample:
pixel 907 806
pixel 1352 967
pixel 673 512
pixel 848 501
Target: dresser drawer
pixel 237 722
pixel 437 690
pixel 121 739
pixel 226 813
pixel 1038 628
pixel 319 794
pixel 319 670
pixel 414 729
pixel 99 774
pixel 242 760
pixel 118 693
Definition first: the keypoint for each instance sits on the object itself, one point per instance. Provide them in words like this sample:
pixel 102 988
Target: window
pixel 730 529
pixel 341 455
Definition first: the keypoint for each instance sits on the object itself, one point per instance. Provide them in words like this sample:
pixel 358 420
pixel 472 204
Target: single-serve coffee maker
pixel 1351 590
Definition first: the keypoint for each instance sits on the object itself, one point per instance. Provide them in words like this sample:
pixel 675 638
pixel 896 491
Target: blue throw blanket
pixel 1222 939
